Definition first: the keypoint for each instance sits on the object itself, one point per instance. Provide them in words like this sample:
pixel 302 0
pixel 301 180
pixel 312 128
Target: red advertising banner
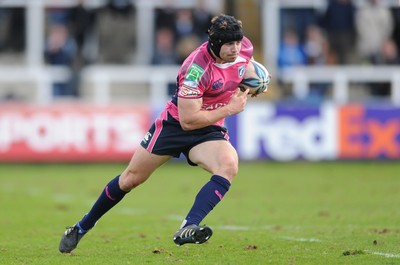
pixel 71 132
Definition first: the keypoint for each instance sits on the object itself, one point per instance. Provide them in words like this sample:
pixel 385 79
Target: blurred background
pixel 82 80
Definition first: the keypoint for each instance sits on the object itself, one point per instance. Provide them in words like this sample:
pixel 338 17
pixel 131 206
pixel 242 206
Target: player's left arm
pixel 247 49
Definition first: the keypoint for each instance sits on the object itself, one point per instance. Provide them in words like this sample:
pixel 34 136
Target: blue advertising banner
pixel 326 132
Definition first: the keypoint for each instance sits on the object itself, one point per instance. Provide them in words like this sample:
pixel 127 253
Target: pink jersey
pixel 201 77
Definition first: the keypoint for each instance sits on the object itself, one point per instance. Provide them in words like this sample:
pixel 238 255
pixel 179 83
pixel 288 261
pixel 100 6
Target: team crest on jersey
pixel 242 70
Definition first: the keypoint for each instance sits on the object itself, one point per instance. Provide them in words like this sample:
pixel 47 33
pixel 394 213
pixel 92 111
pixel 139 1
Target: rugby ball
pixel 256 78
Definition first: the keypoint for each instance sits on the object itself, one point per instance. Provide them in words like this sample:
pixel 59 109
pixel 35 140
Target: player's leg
pixel 141 166
pixel 217 157
pixel 221 160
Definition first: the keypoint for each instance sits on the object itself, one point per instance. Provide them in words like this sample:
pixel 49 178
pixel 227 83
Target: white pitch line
pixel 278 227
pixel 386 255
pixel 175 217
pixel 300 239
pixel 62 197
pixel 130 211
pixel 247 228
pixel 234 228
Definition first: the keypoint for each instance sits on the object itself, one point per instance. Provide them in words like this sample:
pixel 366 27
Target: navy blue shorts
pixel 166 137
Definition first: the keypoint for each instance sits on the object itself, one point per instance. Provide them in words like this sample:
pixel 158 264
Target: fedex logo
pixel 369 133
pixel 324 133
pixel 265 131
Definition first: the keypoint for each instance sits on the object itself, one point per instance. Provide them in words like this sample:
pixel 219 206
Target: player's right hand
pixel 238 101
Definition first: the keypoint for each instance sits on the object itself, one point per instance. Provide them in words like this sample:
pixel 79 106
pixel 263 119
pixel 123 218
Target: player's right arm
pixel 192 116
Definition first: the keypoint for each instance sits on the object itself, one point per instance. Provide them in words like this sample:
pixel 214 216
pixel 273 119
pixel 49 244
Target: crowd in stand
pixel 177 32
pixel 343 33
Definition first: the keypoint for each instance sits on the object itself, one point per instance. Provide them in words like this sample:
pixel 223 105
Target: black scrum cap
pixel 224 29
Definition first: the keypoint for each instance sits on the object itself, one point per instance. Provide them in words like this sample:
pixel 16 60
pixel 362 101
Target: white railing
pixel 157 77
pixel 340 77
pixel 100 79
pixel 40 77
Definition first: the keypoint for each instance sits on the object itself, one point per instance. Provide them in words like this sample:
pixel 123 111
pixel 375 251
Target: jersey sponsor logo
pixel 217 84
pixel 194 73
pixel 242 70
pixel 213 106
pixel 190 92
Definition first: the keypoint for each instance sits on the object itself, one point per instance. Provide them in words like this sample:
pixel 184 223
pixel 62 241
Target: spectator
pixel 186 45
pixel 189 28
pixel 184 23
pixel 396 25
pixel 165 17
pixel 338 21
pixel 58 16
pixel 316 46
pixel 297 19
pixel 201 18
pixel 12 29
pixel 374 25
pixel 388 55
pixel 117 35
pixel 4 28
pixel 61 49
pixel 291 52
pixel 317 51
pixel 82 20
pixel 164 47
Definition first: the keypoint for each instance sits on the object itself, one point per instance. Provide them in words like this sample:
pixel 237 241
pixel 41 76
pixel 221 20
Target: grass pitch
pixel 275 213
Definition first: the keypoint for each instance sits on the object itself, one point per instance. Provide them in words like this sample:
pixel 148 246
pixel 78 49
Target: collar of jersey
pixel 239 59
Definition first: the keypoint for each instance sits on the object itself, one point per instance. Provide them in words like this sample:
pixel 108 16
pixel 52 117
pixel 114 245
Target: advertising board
pixel 264 131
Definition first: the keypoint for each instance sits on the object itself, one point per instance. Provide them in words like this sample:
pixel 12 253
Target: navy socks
pixel 110 196
pixel 207 198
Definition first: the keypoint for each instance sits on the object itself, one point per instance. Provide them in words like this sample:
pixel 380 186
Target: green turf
pixel 275 213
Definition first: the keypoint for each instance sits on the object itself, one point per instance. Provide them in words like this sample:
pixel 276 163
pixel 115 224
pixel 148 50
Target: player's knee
pixel 230 169
pixel 130 180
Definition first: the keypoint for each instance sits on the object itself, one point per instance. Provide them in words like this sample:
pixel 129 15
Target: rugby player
pixel 191 124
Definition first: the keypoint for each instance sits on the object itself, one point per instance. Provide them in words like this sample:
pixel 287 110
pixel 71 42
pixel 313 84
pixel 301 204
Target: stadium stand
pixel 26 76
